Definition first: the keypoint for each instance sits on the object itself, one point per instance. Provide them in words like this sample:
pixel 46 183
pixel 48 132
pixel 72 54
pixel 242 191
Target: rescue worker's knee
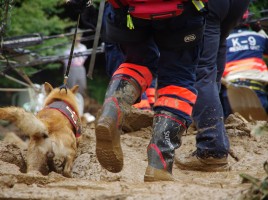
pixel 140 74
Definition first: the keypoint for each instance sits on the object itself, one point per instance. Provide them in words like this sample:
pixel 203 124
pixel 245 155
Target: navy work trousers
pixel 208 116
pixel 113 54
pixel 172 66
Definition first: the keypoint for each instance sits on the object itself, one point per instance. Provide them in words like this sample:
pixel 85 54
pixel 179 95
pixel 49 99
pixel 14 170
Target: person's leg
pixel 127 84
pixel 236 10
pixel 124 89
pixel 211 139
pixel 208 115
pixel 80 102
pixel 81 79
pixel 113 56
pixel 144 103
pixel 173 107
pixel 221 60
pixel 227 110
pixel 150 93
pixel 71 78
pixel 176 96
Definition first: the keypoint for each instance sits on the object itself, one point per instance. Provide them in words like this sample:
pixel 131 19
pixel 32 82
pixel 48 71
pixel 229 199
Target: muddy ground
pixel 249 150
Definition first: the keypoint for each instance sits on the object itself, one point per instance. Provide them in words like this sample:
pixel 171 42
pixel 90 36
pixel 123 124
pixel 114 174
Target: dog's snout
pixel 45 135
pixel 50 154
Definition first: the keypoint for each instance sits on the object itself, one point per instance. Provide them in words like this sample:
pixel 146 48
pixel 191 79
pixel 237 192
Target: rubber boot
pixel 122 92
pixel 166 137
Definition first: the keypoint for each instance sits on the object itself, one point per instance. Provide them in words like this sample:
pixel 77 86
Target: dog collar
pixel 69 112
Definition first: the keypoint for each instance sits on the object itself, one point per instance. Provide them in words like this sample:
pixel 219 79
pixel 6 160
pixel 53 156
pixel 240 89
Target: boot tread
pixel 108 149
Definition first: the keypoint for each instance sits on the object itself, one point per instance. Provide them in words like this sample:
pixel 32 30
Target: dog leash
pixel 64 86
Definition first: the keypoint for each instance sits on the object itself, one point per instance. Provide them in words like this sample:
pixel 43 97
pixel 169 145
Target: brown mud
pixel 249 150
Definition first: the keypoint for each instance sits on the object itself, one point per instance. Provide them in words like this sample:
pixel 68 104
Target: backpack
pixel 155 9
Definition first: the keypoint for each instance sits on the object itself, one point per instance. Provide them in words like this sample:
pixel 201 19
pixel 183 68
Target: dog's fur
pixel 51 133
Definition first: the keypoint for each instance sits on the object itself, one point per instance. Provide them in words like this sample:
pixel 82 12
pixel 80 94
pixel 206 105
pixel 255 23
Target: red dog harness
pixel 69 112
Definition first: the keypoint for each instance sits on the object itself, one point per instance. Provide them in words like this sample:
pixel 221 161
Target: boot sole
pixel 149 179
pixel 152 175
pixel 108 149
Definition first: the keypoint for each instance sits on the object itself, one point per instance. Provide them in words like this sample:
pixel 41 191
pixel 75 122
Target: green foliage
pixel 256 6
pixel 30 16
pixel 259 5
pixel 38 16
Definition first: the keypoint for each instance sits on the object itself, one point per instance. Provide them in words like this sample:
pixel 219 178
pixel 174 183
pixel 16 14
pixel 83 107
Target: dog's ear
pixel 48 88
pixel 75 89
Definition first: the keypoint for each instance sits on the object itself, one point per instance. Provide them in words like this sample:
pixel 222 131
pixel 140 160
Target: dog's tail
pixel 26 121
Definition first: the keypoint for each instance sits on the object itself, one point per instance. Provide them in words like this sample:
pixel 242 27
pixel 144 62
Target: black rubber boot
pixel 166 137
pixel 122 92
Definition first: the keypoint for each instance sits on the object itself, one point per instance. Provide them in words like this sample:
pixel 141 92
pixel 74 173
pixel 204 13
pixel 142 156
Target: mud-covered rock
pixel 137 119
pixel 11 153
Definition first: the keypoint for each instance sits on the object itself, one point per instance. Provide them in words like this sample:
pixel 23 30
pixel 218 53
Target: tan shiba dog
pixel 52 131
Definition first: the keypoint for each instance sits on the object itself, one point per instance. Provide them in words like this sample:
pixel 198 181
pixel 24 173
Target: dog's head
pixel 55 94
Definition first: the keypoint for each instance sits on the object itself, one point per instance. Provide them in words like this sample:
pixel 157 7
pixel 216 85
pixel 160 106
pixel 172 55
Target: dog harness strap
pixel 68 111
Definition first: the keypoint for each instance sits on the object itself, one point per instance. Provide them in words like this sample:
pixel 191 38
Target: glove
pixel 256 26
pixel 78 5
